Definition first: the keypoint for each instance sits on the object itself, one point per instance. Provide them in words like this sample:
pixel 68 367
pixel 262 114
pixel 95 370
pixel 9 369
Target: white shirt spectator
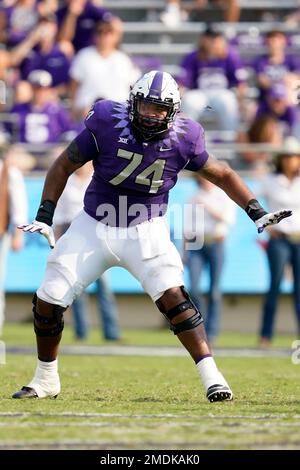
pixel 219 214
pixel 17 195
pixel 15 206
pixel 281 193
pixel 102 77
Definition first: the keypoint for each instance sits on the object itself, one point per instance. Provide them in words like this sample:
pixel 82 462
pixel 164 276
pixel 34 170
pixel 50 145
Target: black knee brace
pixel 53 325
pixel 192 322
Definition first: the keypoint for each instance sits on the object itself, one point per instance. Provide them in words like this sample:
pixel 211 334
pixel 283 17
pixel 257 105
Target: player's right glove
pixel 42 223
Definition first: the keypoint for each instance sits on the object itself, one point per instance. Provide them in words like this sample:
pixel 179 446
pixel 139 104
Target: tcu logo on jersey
pixel 89 114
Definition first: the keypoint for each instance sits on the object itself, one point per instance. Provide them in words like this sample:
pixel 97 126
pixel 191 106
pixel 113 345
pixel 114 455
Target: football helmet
pixel 161 91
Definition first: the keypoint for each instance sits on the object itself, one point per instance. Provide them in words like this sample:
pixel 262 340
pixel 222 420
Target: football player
pixel 137 149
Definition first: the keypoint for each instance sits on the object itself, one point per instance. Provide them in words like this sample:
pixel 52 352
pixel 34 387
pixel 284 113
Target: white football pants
pixel 88 248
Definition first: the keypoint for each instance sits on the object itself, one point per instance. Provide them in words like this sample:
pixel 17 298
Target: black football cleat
pixel 25 392
pixel 219 392
pixel 28 392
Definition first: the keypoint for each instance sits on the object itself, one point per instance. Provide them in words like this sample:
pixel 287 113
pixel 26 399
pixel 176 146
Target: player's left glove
pixel 261 218
pixel 271 219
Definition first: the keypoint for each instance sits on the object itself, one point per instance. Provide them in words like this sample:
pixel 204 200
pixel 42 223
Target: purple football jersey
pixel 132 178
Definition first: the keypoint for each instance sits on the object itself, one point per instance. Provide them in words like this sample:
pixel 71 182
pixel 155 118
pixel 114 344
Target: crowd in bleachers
pixel 58 57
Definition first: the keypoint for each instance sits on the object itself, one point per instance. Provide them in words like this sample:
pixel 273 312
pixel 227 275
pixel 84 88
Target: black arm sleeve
pixel 83 148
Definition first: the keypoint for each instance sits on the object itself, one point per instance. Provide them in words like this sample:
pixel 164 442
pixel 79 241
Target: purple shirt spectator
pixel 86 23
pixel 55 62
pixel 212 74
pixel 251 39
pixel 276 72
pixel 289 119
pixel 19 22
pixel 42 126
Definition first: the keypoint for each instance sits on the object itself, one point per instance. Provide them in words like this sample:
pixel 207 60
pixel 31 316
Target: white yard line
pixel 70 414
pixel 149 444
pixel 134 426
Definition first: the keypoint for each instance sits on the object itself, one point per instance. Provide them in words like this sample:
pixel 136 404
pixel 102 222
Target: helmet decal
pixel 156 86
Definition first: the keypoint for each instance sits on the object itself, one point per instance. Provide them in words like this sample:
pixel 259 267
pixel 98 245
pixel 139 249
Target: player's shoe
pixel 29 392
pixel 25 392
pixel 39 390
pixel 219 392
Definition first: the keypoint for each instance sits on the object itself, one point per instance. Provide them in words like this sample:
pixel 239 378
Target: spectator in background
pixel 42 120
pixel 18 17
pixel 293 19
pixel 17 20
pixel 101 71
pixel 77 20
pixel 276 65
pixel 68 207
pixel 283 188
pixel 40 51
pixel 23 92
pixel 174 13
pixel 4 64
pixel 248 42
pixel 47 7
pixel 263 130
pixel 231 8
pixel 276 105
pixel 219 214
pixel 209 73
pixel 13 210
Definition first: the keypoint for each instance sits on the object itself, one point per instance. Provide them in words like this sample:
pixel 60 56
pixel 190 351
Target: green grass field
pixel 22 335
pixel 151 402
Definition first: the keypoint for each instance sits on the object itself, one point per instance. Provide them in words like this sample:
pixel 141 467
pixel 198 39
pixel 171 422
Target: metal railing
pixel 161 4
pixel 154 27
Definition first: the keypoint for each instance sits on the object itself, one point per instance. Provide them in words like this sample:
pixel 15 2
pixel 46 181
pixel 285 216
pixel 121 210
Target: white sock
pixel 46 379
pixel 209 373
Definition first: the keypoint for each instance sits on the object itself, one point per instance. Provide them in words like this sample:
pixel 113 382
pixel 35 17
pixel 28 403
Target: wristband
pixel 254 210
pixel 45 212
